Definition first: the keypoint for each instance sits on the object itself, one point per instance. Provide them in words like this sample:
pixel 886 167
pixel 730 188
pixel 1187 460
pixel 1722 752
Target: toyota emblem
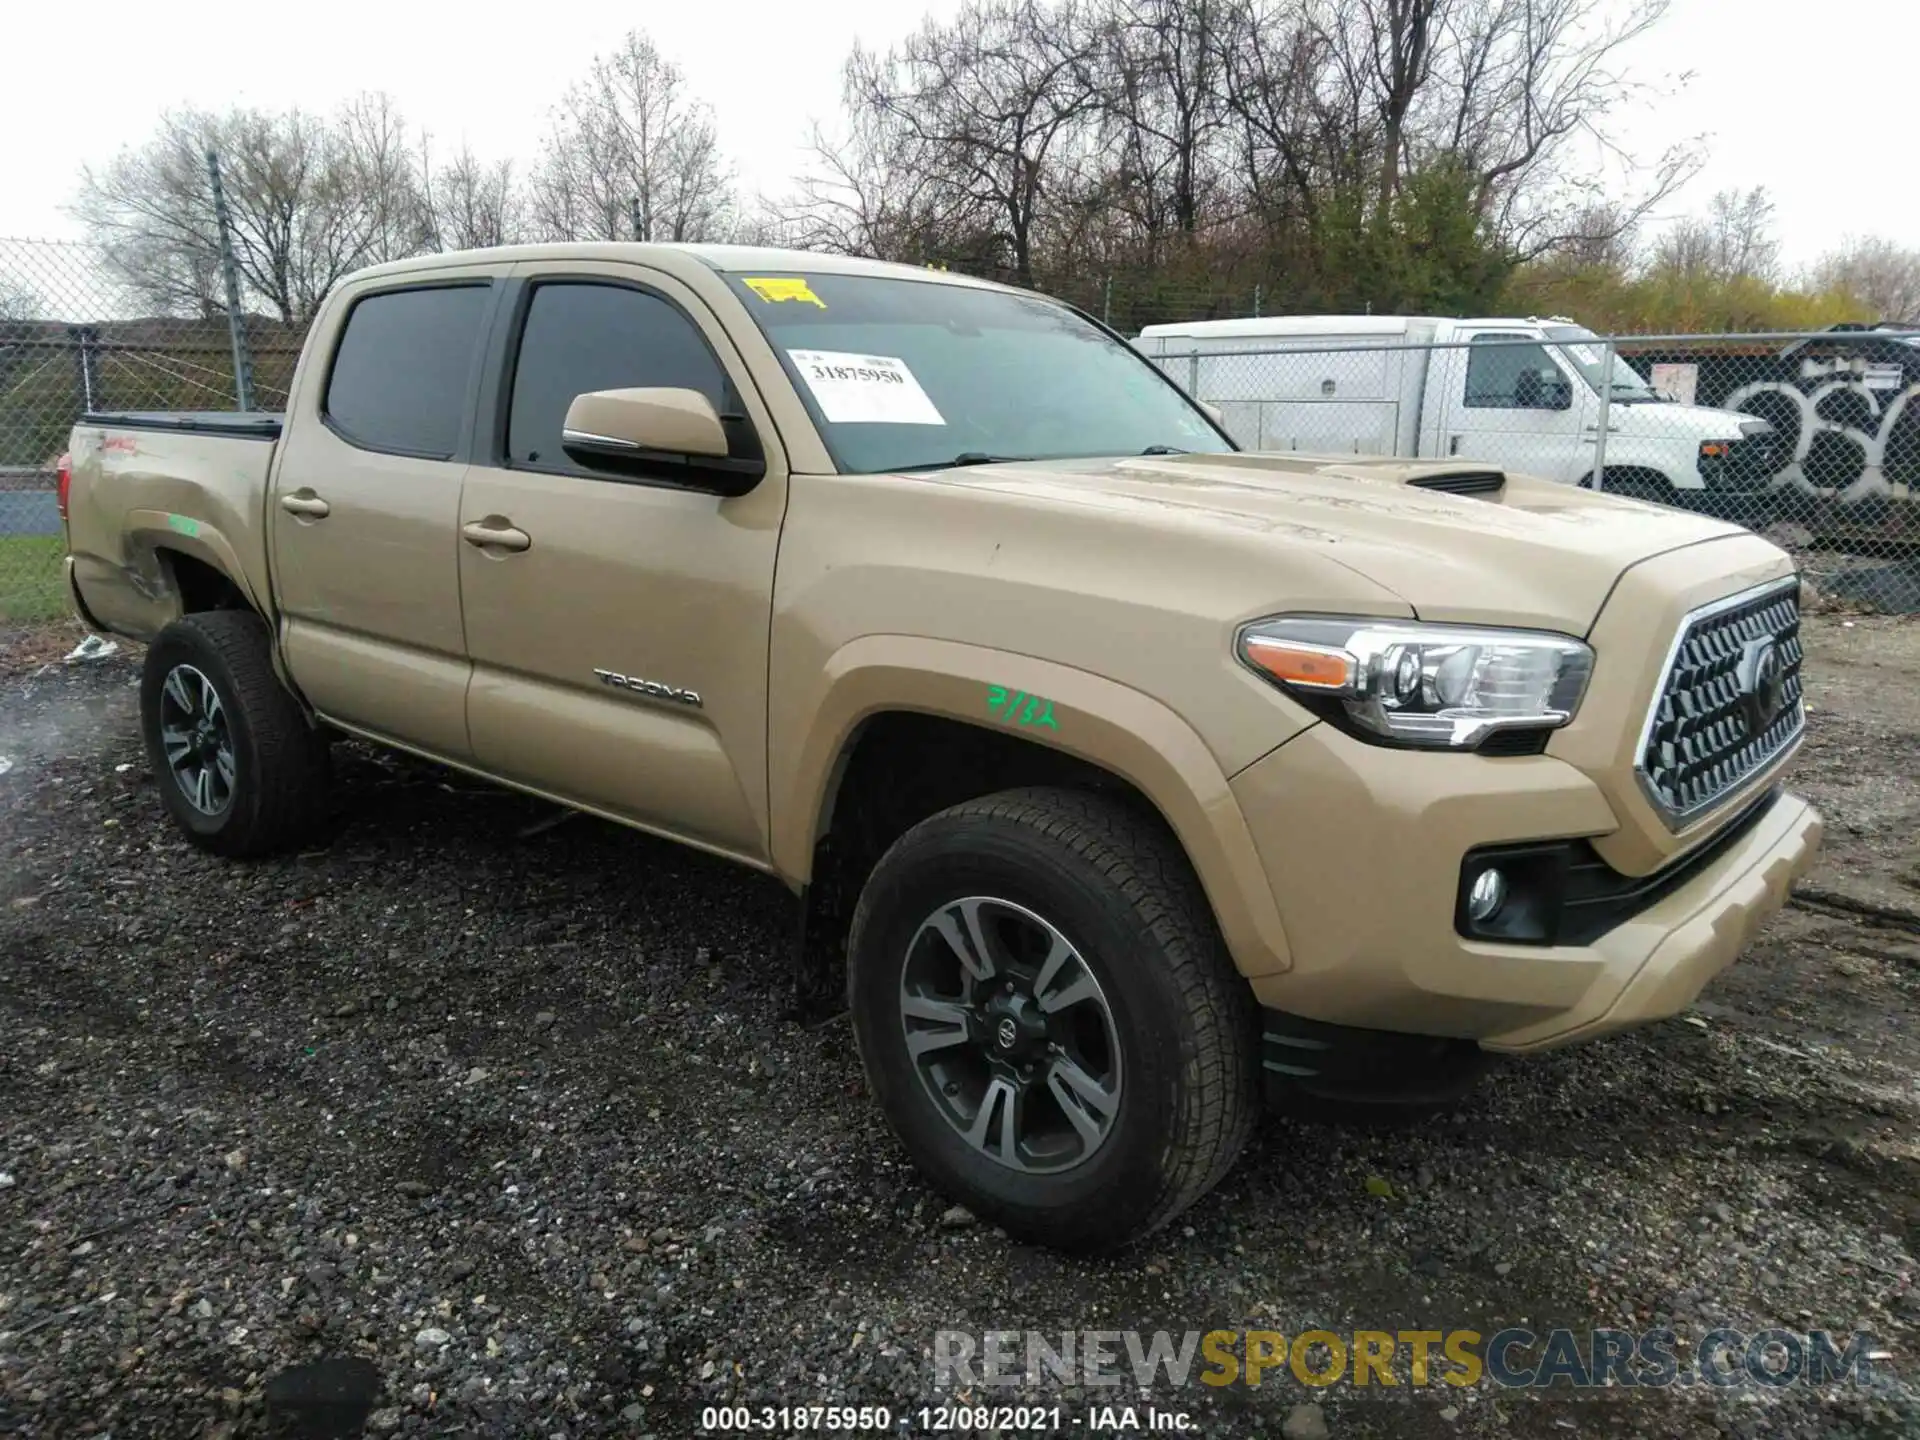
pixel 1762 679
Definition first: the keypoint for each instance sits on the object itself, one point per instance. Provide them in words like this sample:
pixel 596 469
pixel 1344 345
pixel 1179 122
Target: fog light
pixel 1489 893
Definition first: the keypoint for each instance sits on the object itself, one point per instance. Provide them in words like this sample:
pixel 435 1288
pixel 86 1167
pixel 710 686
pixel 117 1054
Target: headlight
pixel 1399 682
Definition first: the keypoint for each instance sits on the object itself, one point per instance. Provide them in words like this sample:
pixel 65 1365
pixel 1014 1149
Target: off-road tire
pixel 281 770
pixel 1117 886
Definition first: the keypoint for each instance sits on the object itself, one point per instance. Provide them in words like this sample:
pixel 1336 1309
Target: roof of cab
pixel 728 259
pixel 1292 325
pixel 1257 325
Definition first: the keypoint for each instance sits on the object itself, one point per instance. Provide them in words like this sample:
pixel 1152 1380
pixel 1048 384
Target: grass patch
pixel 32 583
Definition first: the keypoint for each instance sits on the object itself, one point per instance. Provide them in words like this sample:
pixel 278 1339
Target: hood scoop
pixel 1462 482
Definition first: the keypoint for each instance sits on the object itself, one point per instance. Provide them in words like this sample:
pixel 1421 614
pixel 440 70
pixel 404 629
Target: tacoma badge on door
pixel 649 687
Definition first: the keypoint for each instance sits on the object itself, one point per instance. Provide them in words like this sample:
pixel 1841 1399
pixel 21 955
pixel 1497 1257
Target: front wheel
pixel 1049 1019
pixel 239 768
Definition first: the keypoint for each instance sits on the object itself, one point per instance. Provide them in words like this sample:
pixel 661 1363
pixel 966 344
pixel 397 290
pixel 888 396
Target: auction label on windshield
pixel 864 389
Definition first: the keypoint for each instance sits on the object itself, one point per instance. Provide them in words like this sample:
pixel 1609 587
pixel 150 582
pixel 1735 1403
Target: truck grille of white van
pixel 1730 703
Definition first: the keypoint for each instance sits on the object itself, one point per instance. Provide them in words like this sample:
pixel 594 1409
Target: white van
pixel 1524 395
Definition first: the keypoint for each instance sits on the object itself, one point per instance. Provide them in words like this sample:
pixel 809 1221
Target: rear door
pixel 619 640
pixel 364 510
pixel 1511 403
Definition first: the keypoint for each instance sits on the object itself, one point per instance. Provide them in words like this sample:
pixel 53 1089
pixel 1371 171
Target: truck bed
pixel 247 425
pixel 161 500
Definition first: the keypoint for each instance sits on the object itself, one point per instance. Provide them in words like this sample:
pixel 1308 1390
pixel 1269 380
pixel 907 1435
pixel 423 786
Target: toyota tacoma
pixel 1133 778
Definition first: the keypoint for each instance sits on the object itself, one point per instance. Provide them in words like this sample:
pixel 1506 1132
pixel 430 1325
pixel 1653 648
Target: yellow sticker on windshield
pixel 778 288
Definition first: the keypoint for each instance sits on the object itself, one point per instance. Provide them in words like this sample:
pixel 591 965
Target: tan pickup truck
pixel 1132 776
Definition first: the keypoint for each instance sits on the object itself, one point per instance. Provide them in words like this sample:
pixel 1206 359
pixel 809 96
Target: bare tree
pixel 1515 87
pixel 1601 235
pixel 867 191
pixel 309 202
pixel 1882 276
pixel 372 171
pixel 988 102
pixel 1734 240
pixel 632 155
pixel 1161 117
pixel 469 205
pixel 1288 136
pixel 18 300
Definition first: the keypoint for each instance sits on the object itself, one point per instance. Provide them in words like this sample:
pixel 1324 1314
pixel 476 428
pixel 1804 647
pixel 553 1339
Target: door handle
pixel 305 502
pixel 495 537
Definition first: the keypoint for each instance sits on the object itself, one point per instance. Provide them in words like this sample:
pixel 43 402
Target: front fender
pixel 1119 729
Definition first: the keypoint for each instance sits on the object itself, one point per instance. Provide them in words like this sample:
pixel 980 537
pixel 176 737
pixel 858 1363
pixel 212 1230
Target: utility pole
pixel 633 218
pixel 230 273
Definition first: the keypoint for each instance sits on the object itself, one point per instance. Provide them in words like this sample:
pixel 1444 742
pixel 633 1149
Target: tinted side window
pixel 401 373
pixel 580 337
pixel 1503 374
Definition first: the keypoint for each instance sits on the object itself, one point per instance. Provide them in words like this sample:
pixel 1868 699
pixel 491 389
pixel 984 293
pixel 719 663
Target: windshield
pixel 909 375
pixel 1588 354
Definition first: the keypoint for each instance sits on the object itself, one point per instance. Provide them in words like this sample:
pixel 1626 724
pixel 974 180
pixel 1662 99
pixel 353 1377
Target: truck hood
pixel 1662 419
pixel 1534 553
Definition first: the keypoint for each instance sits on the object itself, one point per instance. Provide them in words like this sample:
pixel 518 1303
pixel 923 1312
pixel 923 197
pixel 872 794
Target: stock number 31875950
pixel 793 1419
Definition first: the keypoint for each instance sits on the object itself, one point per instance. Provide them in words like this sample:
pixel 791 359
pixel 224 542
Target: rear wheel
pixel 1049 1019
pixel 239 768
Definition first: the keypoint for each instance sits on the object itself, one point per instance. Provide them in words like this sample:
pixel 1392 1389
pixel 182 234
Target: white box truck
pixel 1524 395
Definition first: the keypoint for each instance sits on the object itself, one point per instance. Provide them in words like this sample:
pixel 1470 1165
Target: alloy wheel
pixel 197 740
pixel 1011 1034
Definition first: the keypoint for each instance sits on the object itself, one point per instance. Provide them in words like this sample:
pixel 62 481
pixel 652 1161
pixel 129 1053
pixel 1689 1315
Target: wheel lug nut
pixel 951 1088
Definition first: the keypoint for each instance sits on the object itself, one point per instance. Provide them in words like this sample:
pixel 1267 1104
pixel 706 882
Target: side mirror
pixel 1214 413
pixel 1557 395
pixel 656 433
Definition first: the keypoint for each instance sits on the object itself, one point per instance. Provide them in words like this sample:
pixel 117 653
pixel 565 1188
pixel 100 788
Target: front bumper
pixel 1363 848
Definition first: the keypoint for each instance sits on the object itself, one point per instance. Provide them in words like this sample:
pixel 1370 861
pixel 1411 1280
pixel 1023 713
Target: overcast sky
pixel 1801 98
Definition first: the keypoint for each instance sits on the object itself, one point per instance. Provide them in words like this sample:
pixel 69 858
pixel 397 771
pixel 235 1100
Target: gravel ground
pixel 512 1116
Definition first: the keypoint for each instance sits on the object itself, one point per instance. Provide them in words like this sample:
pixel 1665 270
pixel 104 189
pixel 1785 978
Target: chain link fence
pixel 71 342
pixel 1811 439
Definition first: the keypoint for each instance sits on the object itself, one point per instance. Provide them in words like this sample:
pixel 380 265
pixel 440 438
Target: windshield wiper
pixel 1165 450
pixel 969 457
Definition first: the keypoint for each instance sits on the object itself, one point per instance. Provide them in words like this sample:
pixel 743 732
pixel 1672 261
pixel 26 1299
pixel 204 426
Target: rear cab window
pixel 903 374
pixel 403 370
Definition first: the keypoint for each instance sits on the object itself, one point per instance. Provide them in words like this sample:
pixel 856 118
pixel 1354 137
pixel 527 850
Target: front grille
pixel 1724 711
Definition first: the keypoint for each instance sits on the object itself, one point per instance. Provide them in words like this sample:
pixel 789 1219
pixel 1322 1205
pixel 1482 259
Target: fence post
pixel 1606 414
pixel 86 355
pixel 1106 303
pixel 230 273
pixel 1256 302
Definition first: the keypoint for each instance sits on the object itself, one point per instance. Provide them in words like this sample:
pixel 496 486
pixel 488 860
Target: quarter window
pixel 403 368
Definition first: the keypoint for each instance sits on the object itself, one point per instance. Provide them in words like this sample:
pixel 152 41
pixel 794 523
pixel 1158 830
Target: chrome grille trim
pixel 1740 757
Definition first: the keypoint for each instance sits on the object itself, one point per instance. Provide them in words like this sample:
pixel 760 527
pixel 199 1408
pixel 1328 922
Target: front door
pixel 618 628
pixel 364 509
pixel 1514 405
